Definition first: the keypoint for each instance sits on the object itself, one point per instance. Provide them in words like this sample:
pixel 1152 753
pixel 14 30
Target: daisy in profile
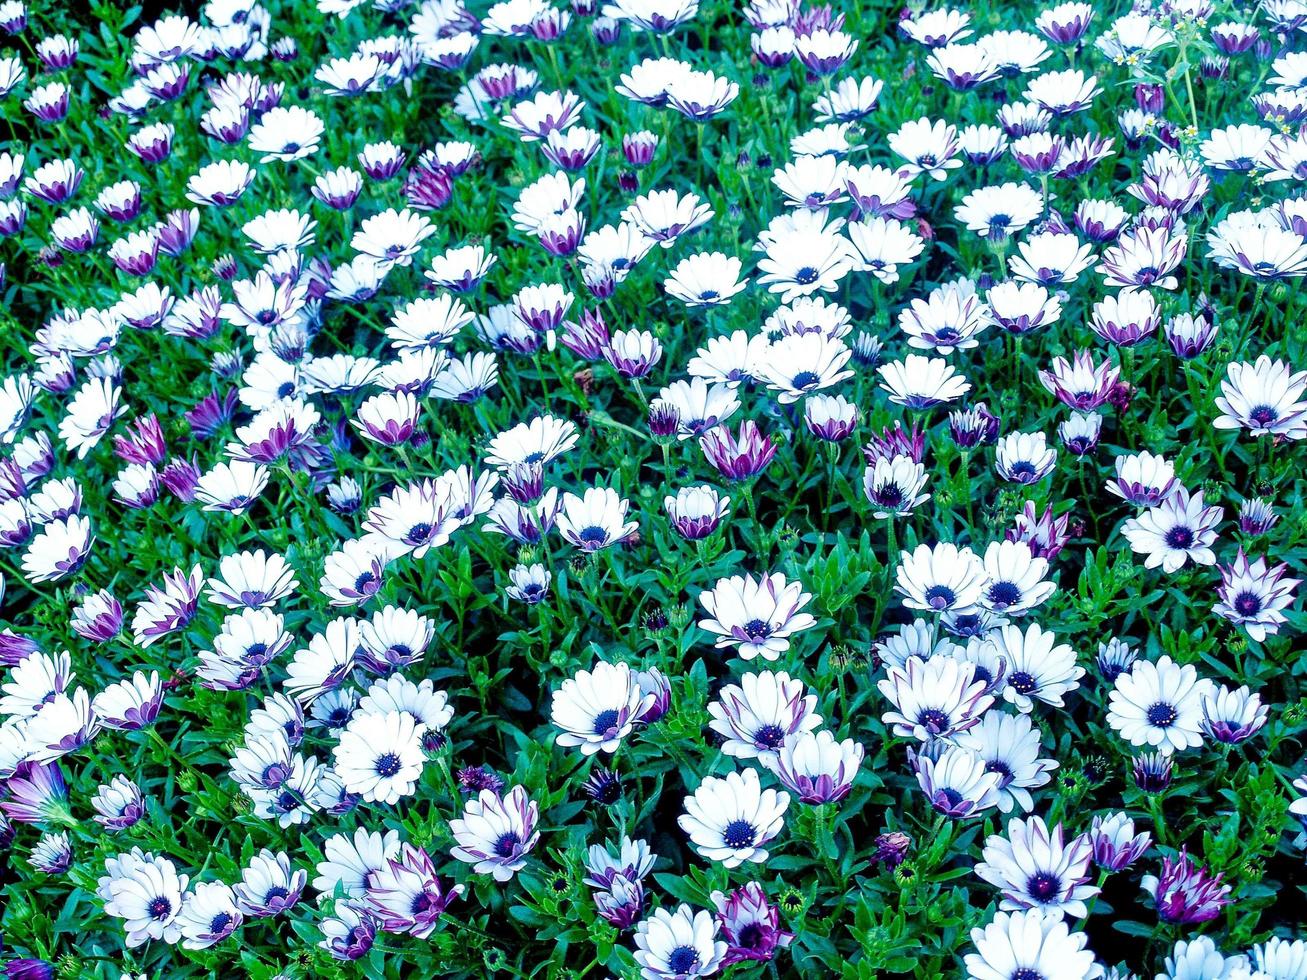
pixel 1015 582
pixel 731 819
pixel 168 608
pixel 91 413
pixel 957 784
pixel 595 709
pixel 541 440
pixel 1265 397
pixel 1159 705
pixel 665 215
pixel 1143 479
pixel 935 698
pixel 682 944
pixel 209 915
pixel 1179 530
pixel 948 319
pixel 894 485
pixel 130 704
pixel 926 147
pixel 1032 943
pixel 818 768
pixel 496 832
pixel 252 580
pixel 883 245
pixel 996 213
pixel 706 279
pixel 1024 457
pixel 392 237
pixel 757 616
pixel 429 707
pixel 286 133
pixel 1035 868
pixel 379 756
pixel 58 550
pixel 1232 716
pixel 757 716
pixel 1038 667
pixel 849 100
pixel 921 382
pixel 325 663
pixel 800 364
pixel 1011 746
pixel 352 861
pixel 596 520
pixel 940 578
pixel 1050 258
pixel 1255 595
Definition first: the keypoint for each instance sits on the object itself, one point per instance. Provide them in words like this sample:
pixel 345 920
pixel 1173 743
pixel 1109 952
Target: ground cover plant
pixel 653 488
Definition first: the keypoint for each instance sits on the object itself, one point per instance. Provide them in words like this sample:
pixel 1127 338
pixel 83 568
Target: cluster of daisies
pixel 653 488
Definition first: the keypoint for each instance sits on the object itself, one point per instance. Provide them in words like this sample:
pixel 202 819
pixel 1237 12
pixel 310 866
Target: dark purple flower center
pixel 593 535
pixel 220 923
pixel 889 495
pixel 683 959
pixel 418 533
pixel 507 845
pixel 757 629
pixel 806 379
pixel 159 908
pixel 771 736
pixel 940 597
pixel 1247 604
pixel 1023 682
pixel 739 833
pixel 605 720
pixel 1180 538
pixel 387 765
pixel 806 276
pixel 933 720
pixel 1043 886
pixel 1263 415
pixel 1004 594
pixel 1162 715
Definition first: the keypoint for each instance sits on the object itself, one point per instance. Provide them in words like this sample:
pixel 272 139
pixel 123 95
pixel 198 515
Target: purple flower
pixel 1152 772
pixel 29 970
pixel 587 338
pixel 99 618
pixel 496 832
pixel 655 682
pixel 1185 893
pixel 14 649
pixel 750 925
pixel 474 779
pixel 891 849
pixel 350 932
pixel 1116 845
pixel 973 427
pixel 896 442
pixel 406 896
pixel 621 902
pixel 737 458
pixel 1047 535
pixel 37 793
pixel 211 413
